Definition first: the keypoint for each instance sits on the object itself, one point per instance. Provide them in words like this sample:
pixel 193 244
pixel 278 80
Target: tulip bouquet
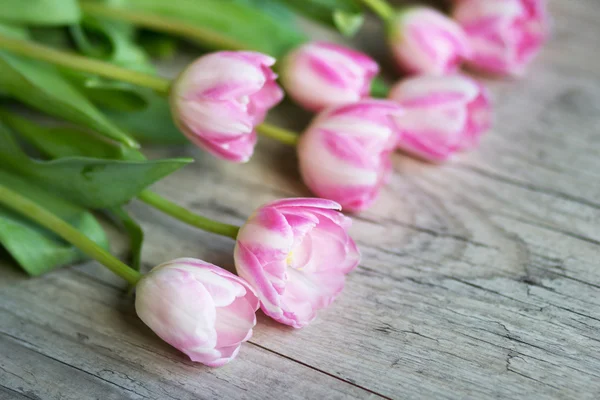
pixel 86 66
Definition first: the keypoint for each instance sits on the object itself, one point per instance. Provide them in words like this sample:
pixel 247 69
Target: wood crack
pixel 320 371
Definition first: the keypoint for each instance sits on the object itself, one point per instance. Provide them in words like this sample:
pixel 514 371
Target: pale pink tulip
pixel 425 41
pixel 198 308
pixel 344 153
pixel 319 75
pixel 442 115
pixel 219 99
pixel 505 34
pixel 296 254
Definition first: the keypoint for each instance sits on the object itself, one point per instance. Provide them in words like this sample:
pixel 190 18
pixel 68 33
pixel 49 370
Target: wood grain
pixel 480 278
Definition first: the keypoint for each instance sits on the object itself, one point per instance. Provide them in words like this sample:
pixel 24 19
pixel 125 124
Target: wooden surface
pixel 480 278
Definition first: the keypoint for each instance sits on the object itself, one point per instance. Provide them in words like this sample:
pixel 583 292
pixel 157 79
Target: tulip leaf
pixel 40 12
pixel 247 26
pixel 57 142
pixel 67 141
pixel 33 247
pixel 135 233
pixel 41 86
pixel 114 42
pixel 345 15
pixel 89 182
pixel 153 125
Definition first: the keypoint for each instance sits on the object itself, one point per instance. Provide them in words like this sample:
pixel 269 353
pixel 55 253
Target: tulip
pixel 425 41
pixel 505 34
pixel 318 75
pixel 220 98
pixel 296 254
pixel 443 115
pixel 198 308
pixel 344 153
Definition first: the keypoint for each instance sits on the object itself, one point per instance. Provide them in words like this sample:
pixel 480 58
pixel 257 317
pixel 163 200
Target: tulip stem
pixel 188 217
pixel 381 8
pixel 45 218
pixel 162 23
pixel 280 134
pixel 81 63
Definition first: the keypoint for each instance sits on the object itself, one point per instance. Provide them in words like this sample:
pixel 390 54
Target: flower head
pixel 505 34
pixel 319 74
pixel 219 99
pixel 425 41
pixel 344 153
pixel 198 308
pixel 296 253
pixel 443 115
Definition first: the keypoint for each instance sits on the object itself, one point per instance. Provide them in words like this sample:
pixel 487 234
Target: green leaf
pixel 158 45
pixel 90 182
pixel 67 141
pixel 42 87
pixel 112 41
pixel 345 15
pixel 34 248
pixel 40 12
pixel 153 125
pixel 244 24
pixel 135 233
pixel 15 31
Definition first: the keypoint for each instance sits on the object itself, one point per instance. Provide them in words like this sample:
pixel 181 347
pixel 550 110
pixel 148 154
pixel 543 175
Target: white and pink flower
pixel 425 41
pixel 296 253
pixel 198 308
pixel 319 75
pixel 442 115
pixel 219 99
pixel 344 153
pixel 505 34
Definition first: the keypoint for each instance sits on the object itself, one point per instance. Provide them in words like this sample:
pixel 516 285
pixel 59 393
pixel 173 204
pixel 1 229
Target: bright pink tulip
pixel 318 75
pixel 425 41
pixel 296 254
pixel 443 115
pixel 219 99
pixel 198 308
pixel 344 153
pixel 505 34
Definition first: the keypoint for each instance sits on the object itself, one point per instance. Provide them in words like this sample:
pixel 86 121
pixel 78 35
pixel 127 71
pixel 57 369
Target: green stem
pixel 280 134
pixel 84 64
pixel 162 24
pixel 381 8
pixel 38 214
pixel 188 217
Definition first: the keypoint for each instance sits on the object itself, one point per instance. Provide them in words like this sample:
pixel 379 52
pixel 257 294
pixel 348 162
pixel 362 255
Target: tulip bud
pixel 318 75
pixel 344 153
pixel 425 41
pixel 296 254
pixel 198 308
pixel 442 115
pixel 219 99
pixel 505 34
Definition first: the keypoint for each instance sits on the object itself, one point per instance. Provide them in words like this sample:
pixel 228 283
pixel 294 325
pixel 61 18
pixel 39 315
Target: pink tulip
pixel 198 308
pixel 344 153
pixel 425 41
pixel 442 115
pixel 296 254
pixel 219 99
pixel 318 75
pixel 505 34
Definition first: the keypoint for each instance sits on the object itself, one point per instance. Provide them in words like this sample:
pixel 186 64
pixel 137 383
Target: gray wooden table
pixel 480 278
